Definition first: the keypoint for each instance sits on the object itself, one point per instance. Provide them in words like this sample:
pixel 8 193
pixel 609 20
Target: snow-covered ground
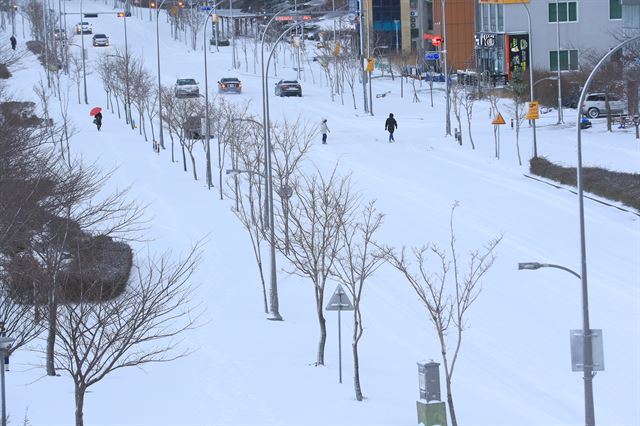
pixel 514 368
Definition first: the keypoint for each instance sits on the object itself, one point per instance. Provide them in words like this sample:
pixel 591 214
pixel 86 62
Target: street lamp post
pixel 531 82
pixel 364 71
pixel 126 64
pixel 588 355
pixel 84 68
pixel 159 80
pixel 273 293
pixel 560 117
pixel 5 344
pixel 446 68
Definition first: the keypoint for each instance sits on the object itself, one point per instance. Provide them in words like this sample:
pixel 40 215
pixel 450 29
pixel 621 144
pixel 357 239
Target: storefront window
pixel 500 17
pixel 492 18
pixel 485 17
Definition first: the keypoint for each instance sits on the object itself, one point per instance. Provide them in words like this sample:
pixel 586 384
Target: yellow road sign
pixel 498 120
pixel 534 112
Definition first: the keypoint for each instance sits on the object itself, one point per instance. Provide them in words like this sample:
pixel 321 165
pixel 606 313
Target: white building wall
pixel 592 32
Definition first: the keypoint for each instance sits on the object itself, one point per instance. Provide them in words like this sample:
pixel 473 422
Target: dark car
pixel 229 85
pixel 288 88
pixel 100 40
pixel 221 41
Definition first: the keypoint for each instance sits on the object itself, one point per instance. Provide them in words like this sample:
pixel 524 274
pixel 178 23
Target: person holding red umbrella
pixel 97 116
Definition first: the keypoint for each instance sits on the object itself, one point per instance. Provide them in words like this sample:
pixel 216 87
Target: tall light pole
pixel 560 117
pixel 206 101
pixel 126 56
pixel 446 68
pixel 531 83
pixel 5 344
pixel 159 80
pixel 364 71
pixel 588 355
pixel 274 313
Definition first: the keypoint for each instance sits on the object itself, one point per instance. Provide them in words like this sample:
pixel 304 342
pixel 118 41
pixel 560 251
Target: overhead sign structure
pixel 534 111
pixel 431 56
pixel 339 302
pixel 498 120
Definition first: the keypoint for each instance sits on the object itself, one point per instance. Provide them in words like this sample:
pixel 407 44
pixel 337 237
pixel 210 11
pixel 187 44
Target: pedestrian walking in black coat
pixel 13 41
pixel 324 129
pixel 391 125
pixel 97 119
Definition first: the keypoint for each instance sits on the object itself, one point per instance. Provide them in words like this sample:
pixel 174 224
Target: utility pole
pixel 560 114
pixel 446 67
pixel 364 71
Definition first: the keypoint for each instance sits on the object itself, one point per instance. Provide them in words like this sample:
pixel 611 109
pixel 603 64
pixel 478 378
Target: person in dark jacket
pixel 97 119
pixel 391 125
pixel 13 41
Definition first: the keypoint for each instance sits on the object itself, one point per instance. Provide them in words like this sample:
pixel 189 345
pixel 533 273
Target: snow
pixel 514 367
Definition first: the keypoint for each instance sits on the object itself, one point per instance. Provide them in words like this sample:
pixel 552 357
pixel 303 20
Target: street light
pixel 531 82
pixel 5 344
pixel 159 81
pixel 446 67
pixel 536 265
pixel 560 116
pixel 84 69
pixel 588 355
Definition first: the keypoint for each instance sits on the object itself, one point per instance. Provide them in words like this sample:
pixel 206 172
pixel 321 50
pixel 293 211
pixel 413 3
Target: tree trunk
pixel 79 393
pixel 323 331
pixel 51 336
pixel 473 146
pixel 452 411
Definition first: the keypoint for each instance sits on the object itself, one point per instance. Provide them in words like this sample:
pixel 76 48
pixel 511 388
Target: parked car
pixel 59 34
pixel 595 105
pixel 229 85
pixel 288 88
pixel 100 40
pixel 186 87
pixel 84 28
pixel 221 41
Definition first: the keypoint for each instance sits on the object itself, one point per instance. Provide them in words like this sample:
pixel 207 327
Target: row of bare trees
pixel 328 233
pixel 72 289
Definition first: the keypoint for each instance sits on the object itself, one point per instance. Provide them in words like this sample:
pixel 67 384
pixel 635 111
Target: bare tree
pixel 456 95
pixel 142 326
pixel 319 208
pixel 520 89
pixel 359 259
pixel 468 100
pixel 448 293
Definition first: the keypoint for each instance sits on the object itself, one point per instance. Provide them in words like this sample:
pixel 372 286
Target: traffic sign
pixel 498 120
pixel 339 301
pixel 205 8
pixel 534 112
pixel 431 56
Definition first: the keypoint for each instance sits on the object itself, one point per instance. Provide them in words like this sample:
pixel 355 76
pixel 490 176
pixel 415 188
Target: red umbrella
pixel 95 110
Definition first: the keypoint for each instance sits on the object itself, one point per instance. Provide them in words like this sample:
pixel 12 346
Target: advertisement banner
pixel 518 51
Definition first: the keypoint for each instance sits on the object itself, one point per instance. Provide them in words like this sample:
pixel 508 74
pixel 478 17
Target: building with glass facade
pixel 503 41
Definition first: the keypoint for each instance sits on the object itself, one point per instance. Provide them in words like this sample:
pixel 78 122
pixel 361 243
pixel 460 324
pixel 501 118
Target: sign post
pixel 534 111
pixel 497 122
pixel 339 302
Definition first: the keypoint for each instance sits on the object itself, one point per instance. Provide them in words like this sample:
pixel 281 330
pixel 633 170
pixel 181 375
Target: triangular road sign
pixel 498 120
pixel 339 301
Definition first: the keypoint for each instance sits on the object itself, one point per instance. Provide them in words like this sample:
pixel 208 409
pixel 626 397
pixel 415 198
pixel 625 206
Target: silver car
pixel 100 40
pixel 186 87
pixel 595 105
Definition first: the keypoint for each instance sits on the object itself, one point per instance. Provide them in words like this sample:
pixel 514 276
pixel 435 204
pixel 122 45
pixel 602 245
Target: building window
pixel 566 11
pixel 615 9
pixel 492 18
pixel 568 60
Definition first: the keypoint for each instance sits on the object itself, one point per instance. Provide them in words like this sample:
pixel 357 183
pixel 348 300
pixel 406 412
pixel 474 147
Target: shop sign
pixel 485 40
pixel 518 51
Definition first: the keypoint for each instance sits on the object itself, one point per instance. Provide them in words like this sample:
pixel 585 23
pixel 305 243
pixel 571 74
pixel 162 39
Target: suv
pixel 595 105
pixel 84 28
pixel 288 88
pixel 186 87
pixel 100 40
pixel 229 85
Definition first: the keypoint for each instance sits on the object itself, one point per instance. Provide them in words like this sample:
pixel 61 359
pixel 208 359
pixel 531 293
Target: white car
pixel 84 28
pixel 186 87
pixel 595 105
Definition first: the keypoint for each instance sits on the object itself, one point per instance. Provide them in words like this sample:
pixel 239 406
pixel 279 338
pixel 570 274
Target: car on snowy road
pixel 100 40
pixel 84 28
pixel 288 88
pixel 230 85
pixel 186 87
